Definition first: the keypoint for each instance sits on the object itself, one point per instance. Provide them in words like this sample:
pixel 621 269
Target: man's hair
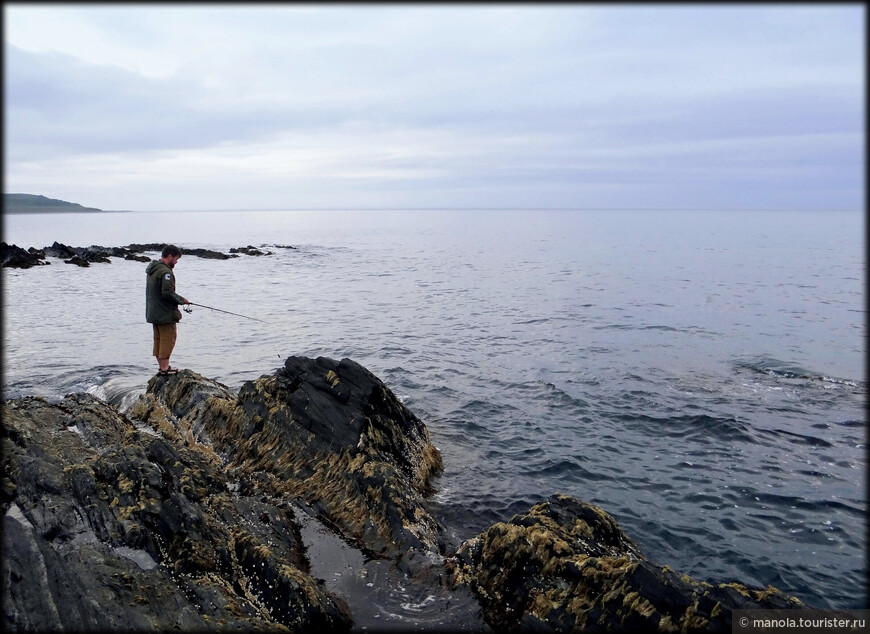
pixel 171 249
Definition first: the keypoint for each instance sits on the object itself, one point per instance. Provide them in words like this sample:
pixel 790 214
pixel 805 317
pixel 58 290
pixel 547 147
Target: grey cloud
pixel 708 99
pixel 58 105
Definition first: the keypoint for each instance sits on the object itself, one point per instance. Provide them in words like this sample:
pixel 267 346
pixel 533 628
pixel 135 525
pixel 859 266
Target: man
pixel 161 306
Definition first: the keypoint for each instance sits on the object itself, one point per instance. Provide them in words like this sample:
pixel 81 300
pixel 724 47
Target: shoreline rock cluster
pixel 182 513
pixel 13 256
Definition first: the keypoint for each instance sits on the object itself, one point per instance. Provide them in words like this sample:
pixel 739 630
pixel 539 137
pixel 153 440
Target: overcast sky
pixel 197 107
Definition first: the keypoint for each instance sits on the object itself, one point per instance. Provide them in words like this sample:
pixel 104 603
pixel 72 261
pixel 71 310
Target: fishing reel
pixel 187 308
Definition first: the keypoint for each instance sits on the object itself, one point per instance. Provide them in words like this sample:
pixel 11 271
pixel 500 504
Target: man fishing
pixel 161 306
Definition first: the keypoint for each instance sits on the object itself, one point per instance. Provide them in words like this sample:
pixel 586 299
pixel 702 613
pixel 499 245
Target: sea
pixel 699 375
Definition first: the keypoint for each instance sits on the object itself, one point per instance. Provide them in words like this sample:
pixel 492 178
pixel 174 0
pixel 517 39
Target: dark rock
pixel 82 256
pixel 59 250
pixel 78 261
pixel 158 247
pixel 566 566
pixel 328 432
pixel 15 257
pixel 112 527
pixel 95 254
pixel 89 254
pixel 146 248
pixel 250 250
pixel 98 251
pixel 208 254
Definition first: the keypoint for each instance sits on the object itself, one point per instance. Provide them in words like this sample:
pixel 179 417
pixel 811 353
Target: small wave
pixel 794 507
pixel 524 454
pixel 118 393
pixel 388 352
pixel 701 426
pixel 782 370
pixel 658 327
pixel 83 379
pixel 564 467
pixel 559 398
pixel 836 381
pixel 613 327
pixel 853 423
pixel 773 367
pixel 794 437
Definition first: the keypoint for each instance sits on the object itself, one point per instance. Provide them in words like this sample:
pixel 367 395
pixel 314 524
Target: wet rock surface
pixel 110 527
pixel 189 512
pixel 567 566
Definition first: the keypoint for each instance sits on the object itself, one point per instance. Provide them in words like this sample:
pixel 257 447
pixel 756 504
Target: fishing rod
pixel 187 309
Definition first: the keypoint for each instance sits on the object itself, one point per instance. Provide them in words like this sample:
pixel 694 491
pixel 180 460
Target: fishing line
pixel 187 308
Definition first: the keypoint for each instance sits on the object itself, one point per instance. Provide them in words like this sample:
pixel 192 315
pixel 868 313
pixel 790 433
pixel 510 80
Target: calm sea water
pixel 700 376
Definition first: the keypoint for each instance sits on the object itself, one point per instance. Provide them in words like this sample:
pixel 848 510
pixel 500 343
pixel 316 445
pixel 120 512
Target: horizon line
pixel 276 209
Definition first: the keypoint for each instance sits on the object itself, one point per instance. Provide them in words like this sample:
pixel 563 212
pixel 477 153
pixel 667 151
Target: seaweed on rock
pixel 180 514
pixel 108 527
pixel 566 566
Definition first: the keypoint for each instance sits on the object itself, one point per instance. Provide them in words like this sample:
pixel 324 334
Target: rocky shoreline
pixel 13 256
pixel 187 512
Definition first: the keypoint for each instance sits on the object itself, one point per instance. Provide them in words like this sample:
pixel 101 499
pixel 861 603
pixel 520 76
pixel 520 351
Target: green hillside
pixel 33 204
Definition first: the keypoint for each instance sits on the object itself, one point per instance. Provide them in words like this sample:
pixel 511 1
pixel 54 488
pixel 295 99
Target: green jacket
pixel 161 300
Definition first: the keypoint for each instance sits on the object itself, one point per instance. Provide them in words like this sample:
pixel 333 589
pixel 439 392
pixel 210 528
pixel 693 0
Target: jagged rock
pixel 328 432
pixel 15 257
pixel 82 256
pixel 145 248
pixel 59 250
pixel 209 254
pixel 111 527
pixel 566 566
pixel 78 261
pixel 96 254
pixel 250 250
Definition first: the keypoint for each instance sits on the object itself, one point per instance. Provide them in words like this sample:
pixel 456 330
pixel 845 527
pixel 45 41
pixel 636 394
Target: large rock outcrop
pixel 566 566
pixel 182 514
pixel 328 432
pixel 110 527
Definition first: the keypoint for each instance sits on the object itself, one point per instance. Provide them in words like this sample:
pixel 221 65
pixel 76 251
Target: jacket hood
pixel 154 265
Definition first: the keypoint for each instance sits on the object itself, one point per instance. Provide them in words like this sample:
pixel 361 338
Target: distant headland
pixel 35 204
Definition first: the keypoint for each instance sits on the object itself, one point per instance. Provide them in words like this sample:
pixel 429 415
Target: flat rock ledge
pixel 182 514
